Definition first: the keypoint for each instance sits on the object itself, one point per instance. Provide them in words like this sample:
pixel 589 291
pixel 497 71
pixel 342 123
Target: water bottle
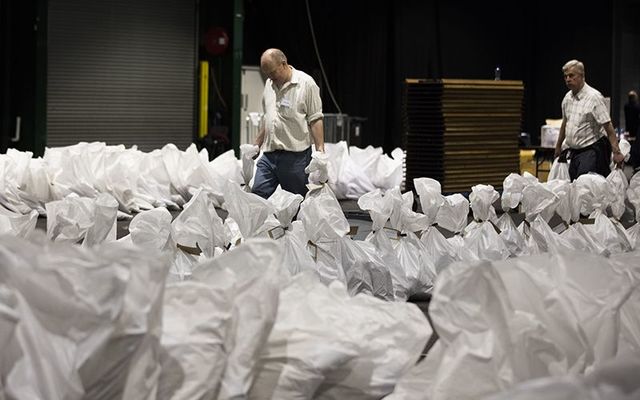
pixel 497 74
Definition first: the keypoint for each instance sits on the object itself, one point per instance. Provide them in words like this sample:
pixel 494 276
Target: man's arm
pixel 560 139
pixel 260 138
pixel 317 133
pixel 613 139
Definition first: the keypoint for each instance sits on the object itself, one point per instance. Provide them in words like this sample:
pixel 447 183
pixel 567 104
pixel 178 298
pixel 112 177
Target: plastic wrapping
pixel 633 194
pixel 76 218
pixel 619 184
pixel 538 200
pixel 249 276
pixel 559 171
pixel 481 200
pixel 512 238
pixel 198 226
pixel 248 152
pixel 286 205
pixel 113 293
pixel 453 213
pixel 512 189
pixel 17 224
pixel 196 325
pixel 430 196
pixel 249 210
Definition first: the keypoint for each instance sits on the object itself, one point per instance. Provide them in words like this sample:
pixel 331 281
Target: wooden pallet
pixel 461 132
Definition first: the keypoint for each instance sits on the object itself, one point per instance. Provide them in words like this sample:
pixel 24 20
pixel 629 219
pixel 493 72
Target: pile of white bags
pixel 80 323
pixel 504 322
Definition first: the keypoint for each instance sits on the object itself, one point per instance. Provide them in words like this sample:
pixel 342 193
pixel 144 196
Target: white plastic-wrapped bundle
pixel 305 344
pixel 616 380
pixel 538 199
pixel 196 322
pixel 619 184
pixel 286 205
pixel 504 322
pixel 253 214
pixel 81 218
pixel 385 172
pixel 154 182
pixel 559 171
pixel 109 349
pixel 248 152
pixel 152 229
pixel 16 224
pixel 629 341
pixel 199 226
pixel 325 224
pixel 439 250
pixel 412 253
pixel 75 169
pixel 226 167
pixel 189 171
pixel 380 208
pixel 452 216
pixel 248 275
pixel 13 165
pixel 563 190
pixel 633 194
pixel 513 239
pixel 294 239
pixel 24 183
pixel 596 194
pixel 347 179
pixel 365 271
pixel 512 189
pixel 482 240
pixel 198 233
pixel 295 255
pixel 328 345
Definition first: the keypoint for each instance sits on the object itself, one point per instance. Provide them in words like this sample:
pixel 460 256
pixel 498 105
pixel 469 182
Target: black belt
pixel 574 152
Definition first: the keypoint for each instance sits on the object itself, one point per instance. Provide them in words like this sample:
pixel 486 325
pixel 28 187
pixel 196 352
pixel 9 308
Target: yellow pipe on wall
pixel 204 99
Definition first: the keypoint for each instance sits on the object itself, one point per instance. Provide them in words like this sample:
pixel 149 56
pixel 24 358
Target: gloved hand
pixel 248 153
pixel 318 167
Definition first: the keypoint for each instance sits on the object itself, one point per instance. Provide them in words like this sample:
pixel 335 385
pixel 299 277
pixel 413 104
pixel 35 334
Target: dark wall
pixel 18 72
pixel 369 48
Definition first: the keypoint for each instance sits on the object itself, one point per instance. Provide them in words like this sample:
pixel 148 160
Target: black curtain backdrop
pixel 369 48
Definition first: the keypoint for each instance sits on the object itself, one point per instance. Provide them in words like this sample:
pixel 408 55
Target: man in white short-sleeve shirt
pixel 586 128
pixel 292 122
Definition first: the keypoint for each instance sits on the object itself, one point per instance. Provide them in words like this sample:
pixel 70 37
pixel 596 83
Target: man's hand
pixel 618 157
pixel 557 152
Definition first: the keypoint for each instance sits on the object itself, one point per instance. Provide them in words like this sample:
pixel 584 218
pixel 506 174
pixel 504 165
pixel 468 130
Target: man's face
pixel 573 79
pixel 274 71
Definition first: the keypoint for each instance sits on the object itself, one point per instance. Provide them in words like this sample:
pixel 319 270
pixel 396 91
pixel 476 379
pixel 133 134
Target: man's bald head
pixel 273 57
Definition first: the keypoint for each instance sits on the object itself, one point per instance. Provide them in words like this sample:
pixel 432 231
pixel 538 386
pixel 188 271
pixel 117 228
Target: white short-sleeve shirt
pixel 289 111
pixel 585 114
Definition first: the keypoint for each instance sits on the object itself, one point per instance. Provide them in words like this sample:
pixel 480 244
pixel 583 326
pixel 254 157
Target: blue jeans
pixel 282 167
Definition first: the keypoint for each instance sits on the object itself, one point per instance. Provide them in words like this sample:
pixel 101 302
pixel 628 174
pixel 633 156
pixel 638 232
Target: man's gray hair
pixel 578 65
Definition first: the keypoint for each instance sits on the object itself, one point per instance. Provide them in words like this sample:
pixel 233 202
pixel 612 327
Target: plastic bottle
pixel 497 74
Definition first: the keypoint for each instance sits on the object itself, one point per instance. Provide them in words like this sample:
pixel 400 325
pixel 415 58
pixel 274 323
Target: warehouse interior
pixel 441 251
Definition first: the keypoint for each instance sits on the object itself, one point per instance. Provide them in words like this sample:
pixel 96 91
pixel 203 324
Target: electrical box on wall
pixel 251 102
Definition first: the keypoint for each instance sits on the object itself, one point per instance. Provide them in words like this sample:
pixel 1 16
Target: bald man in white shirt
pixel 292 121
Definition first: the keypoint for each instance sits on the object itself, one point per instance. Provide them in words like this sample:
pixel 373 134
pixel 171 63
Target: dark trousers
pixel 285 168
pixel 595 158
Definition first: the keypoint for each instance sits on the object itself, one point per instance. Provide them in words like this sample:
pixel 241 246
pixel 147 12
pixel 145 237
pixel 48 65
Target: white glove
pixel 317 168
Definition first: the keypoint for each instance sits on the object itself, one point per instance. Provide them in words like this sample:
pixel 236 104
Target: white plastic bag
pixel 196 324
pixel 250 276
